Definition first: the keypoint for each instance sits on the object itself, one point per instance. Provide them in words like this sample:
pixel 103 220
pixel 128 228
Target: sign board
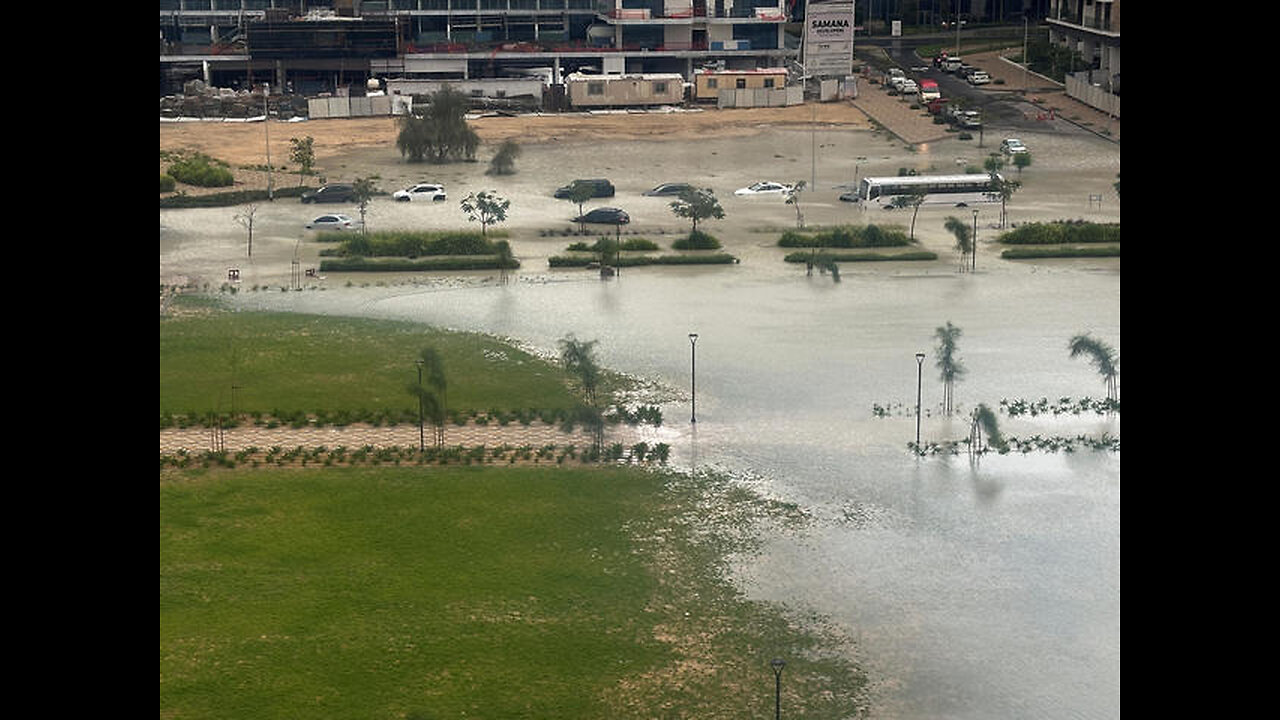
pixel 896 28
pixel 828 39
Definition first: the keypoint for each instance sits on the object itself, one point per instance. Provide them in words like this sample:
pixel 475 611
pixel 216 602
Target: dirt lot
pixel 244 144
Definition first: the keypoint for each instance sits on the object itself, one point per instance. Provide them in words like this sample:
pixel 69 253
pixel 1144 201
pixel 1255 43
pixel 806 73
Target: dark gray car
pixel 599 188
pixel 333 192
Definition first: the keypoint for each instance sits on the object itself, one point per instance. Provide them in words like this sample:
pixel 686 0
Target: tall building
pixel 1092 29
pixel 328 45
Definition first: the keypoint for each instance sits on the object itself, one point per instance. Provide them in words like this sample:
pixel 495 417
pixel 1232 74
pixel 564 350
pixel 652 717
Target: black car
pixel 599 188
pixel 605 215
pixel 333 192
pixel 669 189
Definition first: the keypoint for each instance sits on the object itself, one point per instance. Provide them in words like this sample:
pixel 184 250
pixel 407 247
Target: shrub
pixel 1058 233
pixel 697 240
pixel 167 183
pixel 201 171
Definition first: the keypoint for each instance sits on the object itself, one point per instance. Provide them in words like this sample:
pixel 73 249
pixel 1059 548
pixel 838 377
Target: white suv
pixel 421 191
pixel 979 77
pixel 1012 146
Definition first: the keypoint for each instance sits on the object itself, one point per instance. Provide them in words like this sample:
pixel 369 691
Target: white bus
pixel 957 190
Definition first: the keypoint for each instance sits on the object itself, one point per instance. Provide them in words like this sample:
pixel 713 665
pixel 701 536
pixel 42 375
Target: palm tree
pixel 984 420
pixel 578 357
pixel 1103 357
pixel 950 369
pixel 961 231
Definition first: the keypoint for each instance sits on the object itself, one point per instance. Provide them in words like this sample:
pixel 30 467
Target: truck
pixel 929 91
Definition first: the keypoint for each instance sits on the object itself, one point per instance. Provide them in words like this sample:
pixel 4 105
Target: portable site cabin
pixel 707 84
pixel 602 91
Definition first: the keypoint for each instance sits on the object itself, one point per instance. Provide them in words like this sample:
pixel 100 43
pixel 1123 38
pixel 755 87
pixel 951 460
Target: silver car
pixel 333 221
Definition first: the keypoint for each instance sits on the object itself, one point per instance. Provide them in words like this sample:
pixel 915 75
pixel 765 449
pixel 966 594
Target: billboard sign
pixel 828 39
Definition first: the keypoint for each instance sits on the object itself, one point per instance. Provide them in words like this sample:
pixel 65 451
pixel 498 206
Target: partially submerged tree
pixel 441 133
pixel 504 161
pixel 363 189
pixel 246 218
pixel 793 198
pixel 913 199
pixel 578 357
pixel 303 153
pixel 964 240
pixel 506 259
pixel 580 193
pixel 1103 357
pixel 431 391
pixel 697 204
pixel 984 420
pixel 949 368
pixel 486 207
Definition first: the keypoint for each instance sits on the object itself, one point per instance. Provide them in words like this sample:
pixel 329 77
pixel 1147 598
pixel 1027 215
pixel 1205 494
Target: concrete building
pixel 337 46
pixel 1091 28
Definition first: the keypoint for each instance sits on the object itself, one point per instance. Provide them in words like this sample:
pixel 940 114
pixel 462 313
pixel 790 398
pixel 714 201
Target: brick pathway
pixel 196 440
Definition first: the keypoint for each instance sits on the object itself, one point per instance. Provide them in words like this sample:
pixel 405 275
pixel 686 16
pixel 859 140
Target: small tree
pixel 485 207
pixel 578 357
pixel 430 390
pixel 1021 160
pixel 697 204
pixel 303 153
pixel 506 259
pixel 245 218
pixel 363 189
pixel 580 193
pixel 504 161
pixel 793 198
pixel 913 199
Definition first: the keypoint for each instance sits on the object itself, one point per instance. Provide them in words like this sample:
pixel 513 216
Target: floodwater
pixel 970 590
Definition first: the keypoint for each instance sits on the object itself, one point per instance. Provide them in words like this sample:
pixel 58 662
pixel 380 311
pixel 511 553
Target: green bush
pixel 697 240
pixel 412 244
pixel 820 258
pixel 846 236
pixel 201 171
pixel 167 183
pixel 1058 233
pixel 363 264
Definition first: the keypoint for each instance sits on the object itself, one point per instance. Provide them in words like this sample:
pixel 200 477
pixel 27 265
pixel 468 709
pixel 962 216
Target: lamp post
pixel 693 373
pixel 919 373
pixel 266 130
pixel 777 664
pixel 421 441
pixel 975 240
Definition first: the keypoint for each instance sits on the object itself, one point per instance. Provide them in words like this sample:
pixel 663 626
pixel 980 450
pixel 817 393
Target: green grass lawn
pixel 471 592
pixel 305 363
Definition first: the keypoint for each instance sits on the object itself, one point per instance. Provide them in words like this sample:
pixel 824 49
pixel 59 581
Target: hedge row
pixel 361 264
pixel 410 244
pixel 237 197
pixel 804 257
pixel 846 236
pixel 1062 233
pixel 643 260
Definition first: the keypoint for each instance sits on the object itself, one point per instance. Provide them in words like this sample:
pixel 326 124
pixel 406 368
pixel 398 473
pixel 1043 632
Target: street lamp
pixel 975 240
pixel 693 373
pixel 919 373
pixel 777 664
pixel 421 442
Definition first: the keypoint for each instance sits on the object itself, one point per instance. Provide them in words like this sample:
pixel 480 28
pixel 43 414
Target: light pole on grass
pixel 777 664
pixel 919 373
pixel 693 374
pixel 421 441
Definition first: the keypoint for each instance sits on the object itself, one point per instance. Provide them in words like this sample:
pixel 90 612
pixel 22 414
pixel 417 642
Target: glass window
pixel 768 82
pixel 595 88
pixel 711 83
pixel 660 88
pixel 741 83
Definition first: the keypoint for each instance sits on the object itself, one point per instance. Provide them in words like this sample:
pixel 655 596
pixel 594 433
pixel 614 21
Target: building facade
pixel 1092 29
pixel 339 45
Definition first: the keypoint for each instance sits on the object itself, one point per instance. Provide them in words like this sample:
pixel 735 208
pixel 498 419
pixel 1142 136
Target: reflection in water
pixel 974 590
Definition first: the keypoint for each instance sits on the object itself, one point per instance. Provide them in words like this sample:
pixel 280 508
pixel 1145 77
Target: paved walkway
pixel 538 434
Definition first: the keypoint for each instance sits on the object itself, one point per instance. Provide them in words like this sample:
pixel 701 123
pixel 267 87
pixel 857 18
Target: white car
pixel 764 187
pixel 333 221
pixel 979 77
pixel 1012 146
pixel 421 191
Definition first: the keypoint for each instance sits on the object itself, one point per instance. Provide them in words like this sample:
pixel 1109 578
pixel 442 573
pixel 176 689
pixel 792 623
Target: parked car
pixel 604 215
pixel 668 189
pixel 1012 146
pixel 908 87
pixel 599 188
pixel 851 196
pixel 969 119
pixel 764 187
pixel 333 222
pixel 333 192
pixel 979 77
pixel 421 191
